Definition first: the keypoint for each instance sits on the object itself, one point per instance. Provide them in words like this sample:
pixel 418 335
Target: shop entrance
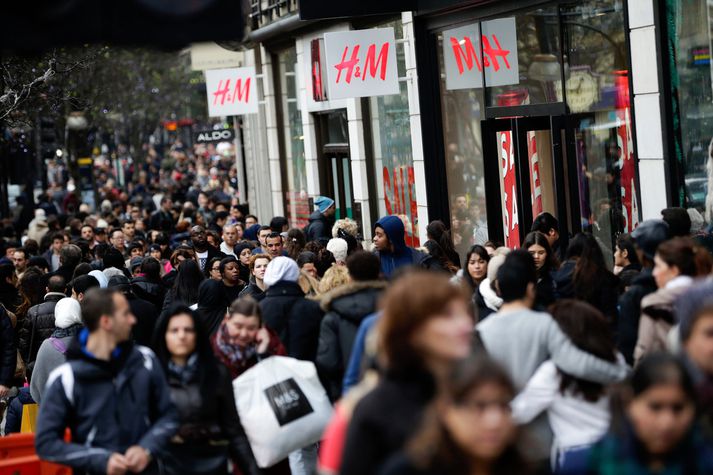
pixel 335 171
pixel 577 167
pixel 525 175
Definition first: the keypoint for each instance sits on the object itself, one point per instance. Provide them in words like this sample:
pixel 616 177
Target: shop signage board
pixel 231 91
pixel 361 63
pixel 214 136
pixel 535 179
pixel 511 222
pixel 210 55
pixel 464 62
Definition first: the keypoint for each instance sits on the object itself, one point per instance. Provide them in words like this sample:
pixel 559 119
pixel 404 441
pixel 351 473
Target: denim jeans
pixel 304 461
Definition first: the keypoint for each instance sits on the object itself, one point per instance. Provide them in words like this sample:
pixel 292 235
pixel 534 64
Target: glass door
pixel 529 171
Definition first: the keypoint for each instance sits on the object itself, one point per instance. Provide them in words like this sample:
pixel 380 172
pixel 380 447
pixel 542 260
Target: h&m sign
pixel 361 63
pixel 231 91
pixel 466 60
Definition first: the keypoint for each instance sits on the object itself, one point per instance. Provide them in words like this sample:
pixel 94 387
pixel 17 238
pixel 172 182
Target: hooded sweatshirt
pixel 402 255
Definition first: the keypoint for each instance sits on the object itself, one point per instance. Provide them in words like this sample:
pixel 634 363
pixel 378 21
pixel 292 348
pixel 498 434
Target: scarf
pixel 69 331
pixel 232 353
pixel 184 374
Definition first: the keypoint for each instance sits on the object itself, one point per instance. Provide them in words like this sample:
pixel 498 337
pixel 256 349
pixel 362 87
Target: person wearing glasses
pixel 204 251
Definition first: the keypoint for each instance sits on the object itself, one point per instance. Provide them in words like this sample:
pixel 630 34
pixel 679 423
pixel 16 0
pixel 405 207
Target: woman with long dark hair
pixel 585 276
pixel 438 232
pixel 210 432
pixel 295 243
pixel 656 432
pixel 545 262
pixel 577 409
pixel 468 430
pixel 186 285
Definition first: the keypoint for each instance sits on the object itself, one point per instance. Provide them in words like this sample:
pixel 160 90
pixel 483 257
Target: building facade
pixel 596 111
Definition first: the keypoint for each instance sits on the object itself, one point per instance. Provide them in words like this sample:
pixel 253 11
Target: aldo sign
pixel 361 63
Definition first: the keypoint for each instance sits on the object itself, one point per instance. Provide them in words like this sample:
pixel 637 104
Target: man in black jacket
pixel 647 238
pixel 111 394
pixel 320 228
pixel 39 323
pixel 145 312
pixel 204 251
pixel 346 307
pixel 8 353
pixel 162 220
pixel 287 312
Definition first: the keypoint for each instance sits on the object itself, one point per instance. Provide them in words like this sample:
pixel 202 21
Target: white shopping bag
pixel 282 406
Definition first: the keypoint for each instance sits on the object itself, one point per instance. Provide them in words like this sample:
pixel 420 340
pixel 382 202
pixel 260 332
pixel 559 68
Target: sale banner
pixel 625 142
pixel 535 181
pixel 231 91
pixel 511 224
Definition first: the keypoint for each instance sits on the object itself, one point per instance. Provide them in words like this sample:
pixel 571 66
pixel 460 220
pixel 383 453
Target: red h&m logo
pixel 493 54
pixel 223 95
pixel 372 63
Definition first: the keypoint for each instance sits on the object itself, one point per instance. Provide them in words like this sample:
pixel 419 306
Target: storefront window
pixel 391 130
pixel 296 190
pixel 537 40
pixel 693 35
pixel 462 111
pixel 597 86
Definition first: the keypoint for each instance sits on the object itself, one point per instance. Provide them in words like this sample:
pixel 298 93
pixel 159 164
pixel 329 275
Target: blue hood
pixel 394 229
pixel 251 233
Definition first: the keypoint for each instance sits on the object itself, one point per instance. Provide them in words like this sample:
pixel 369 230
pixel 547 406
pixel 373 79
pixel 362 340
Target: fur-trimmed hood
pixel 353 300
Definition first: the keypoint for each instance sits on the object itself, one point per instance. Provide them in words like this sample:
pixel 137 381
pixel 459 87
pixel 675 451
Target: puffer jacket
pixel 656 320
pixel 37 327
pixel 346 307
pixel 107 405
pixel 210 431
pixel 8 351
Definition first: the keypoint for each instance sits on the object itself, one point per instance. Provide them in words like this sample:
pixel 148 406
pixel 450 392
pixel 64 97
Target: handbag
pixel 282 407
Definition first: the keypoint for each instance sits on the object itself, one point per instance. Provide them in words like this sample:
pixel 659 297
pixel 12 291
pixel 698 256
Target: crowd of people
pixel 128 325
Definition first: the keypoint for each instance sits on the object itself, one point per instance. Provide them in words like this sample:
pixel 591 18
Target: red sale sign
pixel 361 63
pixel 625 142
pixel 231 91
pixel 511 224
pixel 535 181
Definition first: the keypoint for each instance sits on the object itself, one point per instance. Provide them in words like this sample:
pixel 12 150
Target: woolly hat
pixel 687 306
pixel 339 248
pixel 649 235
pixel 323 203
pixel 67 313
pixel 279 269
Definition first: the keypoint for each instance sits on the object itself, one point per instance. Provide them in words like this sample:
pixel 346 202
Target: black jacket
pixel 206 426
pixel 604 297
pixel 252 290
pixel 346 307
pixel 37 327
pixel 212 252
pixel 161 221
pixel 151 291
pixel 385 419
pixel 630 313
pixel 318 228
pixel 146 316
pixel 107 405
pixel 294 318
pixel 8 350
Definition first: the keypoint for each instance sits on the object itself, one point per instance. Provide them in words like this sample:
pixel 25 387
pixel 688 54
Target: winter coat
pixel 402 255
pixel 107 405
pixel 385 419
pixel 295 319
pixel 656 320
pixel 50 356
pixel 489 302
pixel 318 228
pixel 345 308
pixel 603 298
pixel 37 327
pixel 545 292
pixel 210 431
pixel 252 290
pixel 630 312
pixel 8 350
pixel 212 304
pixel 152 291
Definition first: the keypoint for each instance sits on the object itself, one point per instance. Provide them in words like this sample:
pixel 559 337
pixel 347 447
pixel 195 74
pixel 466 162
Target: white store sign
pixel 464 62
pixel 231 91
pixel 361 63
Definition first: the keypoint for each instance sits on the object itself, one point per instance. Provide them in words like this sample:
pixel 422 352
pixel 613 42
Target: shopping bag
pixel 29 418
pixel 282 406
